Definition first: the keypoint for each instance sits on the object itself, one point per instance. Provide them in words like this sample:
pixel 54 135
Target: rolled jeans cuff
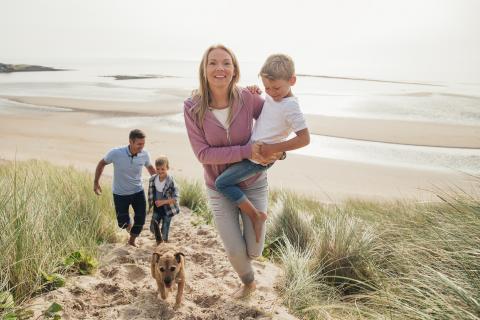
pixel 242 199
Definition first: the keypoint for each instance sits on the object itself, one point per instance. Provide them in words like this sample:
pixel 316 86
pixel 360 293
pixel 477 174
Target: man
pixel 128 162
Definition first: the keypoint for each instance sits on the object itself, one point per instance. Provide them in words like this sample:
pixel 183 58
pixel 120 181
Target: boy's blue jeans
pixel 226 182
pixel 160 216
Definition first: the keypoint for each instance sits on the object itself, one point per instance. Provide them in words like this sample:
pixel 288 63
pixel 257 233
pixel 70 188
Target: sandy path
pixel 123 288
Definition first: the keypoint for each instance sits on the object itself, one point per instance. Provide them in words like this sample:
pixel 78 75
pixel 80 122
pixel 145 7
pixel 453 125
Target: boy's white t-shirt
pixel 277 120
pixel 159 185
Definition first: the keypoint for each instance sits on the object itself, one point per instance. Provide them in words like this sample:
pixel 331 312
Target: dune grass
pixel 46 214
pixel 367 260
pixel 194 197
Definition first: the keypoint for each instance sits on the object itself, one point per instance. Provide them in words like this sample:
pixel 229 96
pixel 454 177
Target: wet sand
pixel 67 138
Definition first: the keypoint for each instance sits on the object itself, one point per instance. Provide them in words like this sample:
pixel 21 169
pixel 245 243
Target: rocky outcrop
pixel 134 77
pixel 7 68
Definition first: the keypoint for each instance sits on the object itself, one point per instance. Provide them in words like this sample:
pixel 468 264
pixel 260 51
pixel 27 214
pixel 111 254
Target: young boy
pixel 163 197
pixel 280 116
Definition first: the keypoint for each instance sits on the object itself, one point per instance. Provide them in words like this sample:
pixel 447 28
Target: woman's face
pixel 220 69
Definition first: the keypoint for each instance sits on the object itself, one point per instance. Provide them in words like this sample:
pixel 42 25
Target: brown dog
pixel 168 268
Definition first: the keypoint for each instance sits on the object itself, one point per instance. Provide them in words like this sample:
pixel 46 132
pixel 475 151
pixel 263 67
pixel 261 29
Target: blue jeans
pixel 139 205
pixel 226 182
pixel 160 216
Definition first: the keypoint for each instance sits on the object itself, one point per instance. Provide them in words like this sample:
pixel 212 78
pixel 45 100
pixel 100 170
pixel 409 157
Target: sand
pixel 67 138
pixel 397 131
pixel 123 288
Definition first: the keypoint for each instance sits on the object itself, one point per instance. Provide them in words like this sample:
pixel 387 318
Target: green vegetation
pixel 194 197
pixel 355 260
pixel 51 224
pixel 367 260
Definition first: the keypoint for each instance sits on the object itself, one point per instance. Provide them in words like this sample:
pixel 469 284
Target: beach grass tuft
pixel 47 213
pixel 194 197
pixel 378 260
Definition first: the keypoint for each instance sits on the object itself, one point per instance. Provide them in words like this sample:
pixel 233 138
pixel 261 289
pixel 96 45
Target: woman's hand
pixel 263 160
pixel 266 150
pixel 254 89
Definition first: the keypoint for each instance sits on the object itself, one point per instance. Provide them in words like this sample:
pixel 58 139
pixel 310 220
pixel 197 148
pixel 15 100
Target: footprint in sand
pixel 202 232
pixel 134 272
pixel 210 242
pixel 107 288
pixel 78 291
pixel 79 305
pixel 124 260
pixel 119 255
pixel 120 252
pixel 206 301
pixel 202 258
pixel 109 272
pixel 143 254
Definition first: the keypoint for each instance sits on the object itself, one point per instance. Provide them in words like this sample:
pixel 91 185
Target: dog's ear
pixel 156 257
pixel 178 256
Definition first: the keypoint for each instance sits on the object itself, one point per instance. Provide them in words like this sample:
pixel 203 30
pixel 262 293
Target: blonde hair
pixel 162 160
pixel 278 67
pixel 202 95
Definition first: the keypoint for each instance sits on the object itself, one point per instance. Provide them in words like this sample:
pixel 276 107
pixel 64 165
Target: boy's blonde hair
pixel 278 67
pixel 162 160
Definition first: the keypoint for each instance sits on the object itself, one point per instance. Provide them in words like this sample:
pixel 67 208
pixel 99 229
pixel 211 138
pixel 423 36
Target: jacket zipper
pixel 228 136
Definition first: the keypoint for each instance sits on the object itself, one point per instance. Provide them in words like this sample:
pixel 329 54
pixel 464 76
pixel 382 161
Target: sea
pixel 346 95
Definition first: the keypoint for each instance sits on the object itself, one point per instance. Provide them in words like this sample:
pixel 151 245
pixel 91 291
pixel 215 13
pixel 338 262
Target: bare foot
pixel 257 217
pixel 131 241
pixel 177 306
pixel 257 225
pixel 245 291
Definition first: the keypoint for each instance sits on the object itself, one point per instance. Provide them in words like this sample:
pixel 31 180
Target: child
pixel 280 116
pixel 163 197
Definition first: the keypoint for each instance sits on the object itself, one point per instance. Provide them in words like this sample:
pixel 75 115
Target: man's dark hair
pixel 136 134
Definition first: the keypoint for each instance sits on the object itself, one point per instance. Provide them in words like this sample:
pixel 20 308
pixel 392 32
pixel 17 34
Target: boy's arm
pixel 175 195
pixel 173 199
pixel 301 140
pixel 163 202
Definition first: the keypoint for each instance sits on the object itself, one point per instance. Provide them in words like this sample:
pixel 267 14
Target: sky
pixel 405 39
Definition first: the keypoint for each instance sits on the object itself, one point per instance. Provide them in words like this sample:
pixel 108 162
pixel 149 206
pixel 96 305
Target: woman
pixel 219 119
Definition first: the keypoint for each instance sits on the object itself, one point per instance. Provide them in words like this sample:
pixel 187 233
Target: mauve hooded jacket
pixel 216 147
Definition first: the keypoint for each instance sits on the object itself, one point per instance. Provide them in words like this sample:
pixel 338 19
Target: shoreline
pixel 68 139
pixel 412 133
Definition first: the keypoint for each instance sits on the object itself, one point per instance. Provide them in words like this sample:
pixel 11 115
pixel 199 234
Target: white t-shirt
pixel 221 115
pixel 278 120
pixel 159 185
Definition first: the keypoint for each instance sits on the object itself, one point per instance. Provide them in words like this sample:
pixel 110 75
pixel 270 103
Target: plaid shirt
pixel 170 191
